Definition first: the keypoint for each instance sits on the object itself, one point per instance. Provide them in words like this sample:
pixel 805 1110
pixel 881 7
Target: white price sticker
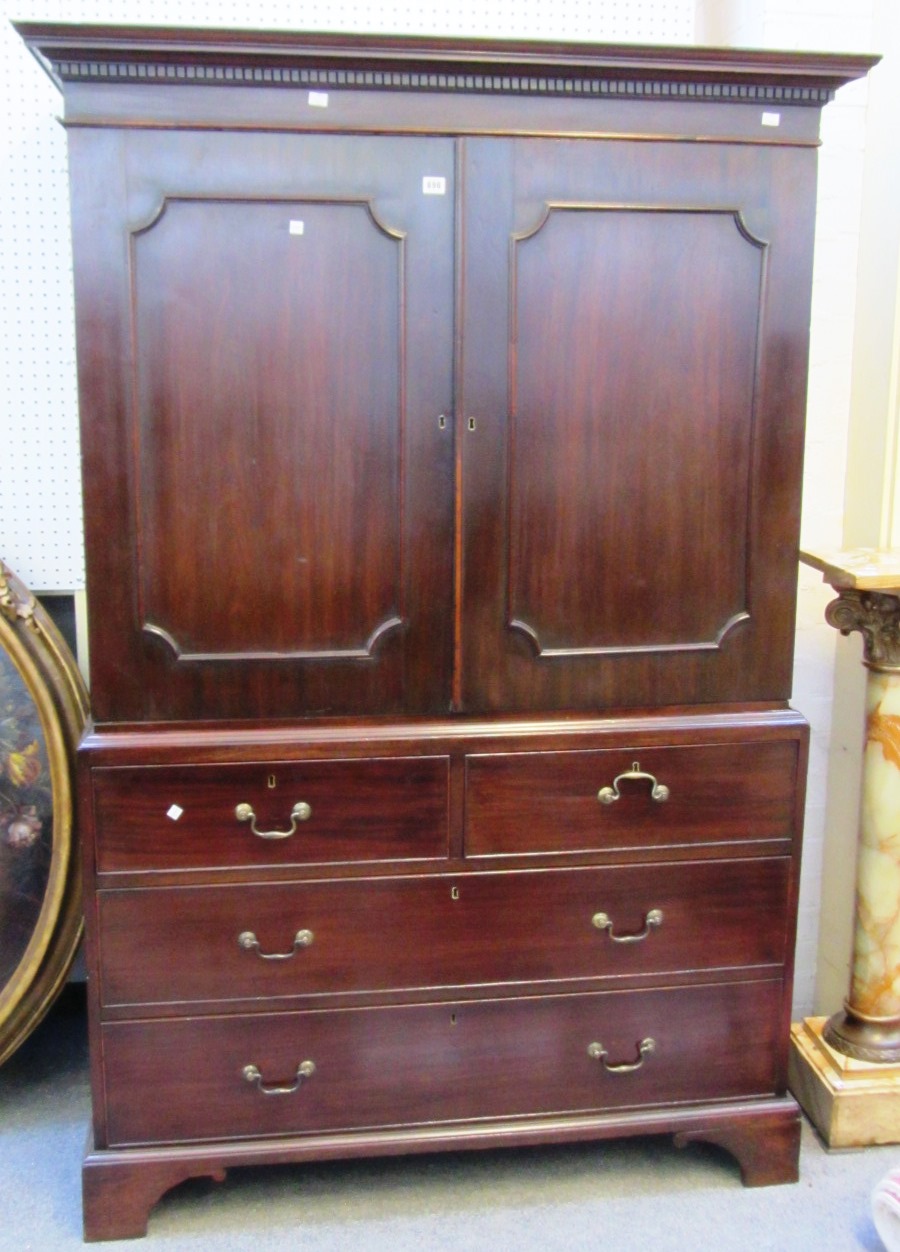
pixel 295 227
pixel 771 119
pixel 174 812
pixel 434 186
pixel 318 99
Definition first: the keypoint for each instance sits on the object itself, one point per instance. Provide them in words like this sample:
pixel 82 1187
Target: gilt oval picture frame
pixel 43 708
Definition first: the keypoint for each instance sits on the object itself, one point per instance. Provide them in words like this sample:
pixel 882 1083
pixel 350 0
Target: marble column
pixel 846 1070
pixel 869 1026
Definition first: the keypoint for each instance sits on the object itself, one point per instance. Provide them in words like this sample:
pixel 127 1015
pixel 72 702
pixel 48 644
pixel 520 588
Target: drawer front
pixel 187 1079
pixel 532 802
pixel 192 944
pixel 185 817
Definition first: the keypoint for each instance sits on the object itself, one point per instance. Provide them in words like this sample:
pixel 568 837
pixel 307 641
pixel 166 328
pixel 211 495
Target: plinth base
pixel 121 1185
pixel 865 1039
pixel 851 1103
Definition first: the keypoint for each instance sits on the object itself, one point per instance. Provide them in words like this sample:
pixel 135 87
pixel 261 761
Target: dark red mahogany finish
pixel 442 417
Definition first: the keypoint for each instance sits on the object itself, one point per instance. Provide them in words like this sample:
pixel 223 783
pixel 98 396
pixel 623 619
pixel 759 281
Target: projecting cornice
pixel 159 55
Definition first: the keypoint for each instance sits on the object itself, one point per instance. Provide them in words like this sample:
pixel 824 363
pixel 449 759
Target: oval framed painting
pixel 43 708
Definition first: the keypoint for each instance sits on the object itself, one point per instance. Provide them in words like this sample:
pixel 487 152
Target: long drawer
pixel 640 797
pixel 206 1078
pixel 188 817
pixel 193 944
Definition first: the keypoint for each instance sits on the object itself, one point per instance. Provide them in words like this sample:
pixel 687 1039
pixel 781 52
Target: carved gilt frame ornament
pixel 16 603
pixel 43 709
pixel 876 615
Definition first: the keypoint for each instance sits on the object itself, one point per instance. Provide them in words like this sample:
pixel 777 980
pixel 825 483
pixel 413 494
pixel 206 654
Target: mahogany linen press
pixel 442 410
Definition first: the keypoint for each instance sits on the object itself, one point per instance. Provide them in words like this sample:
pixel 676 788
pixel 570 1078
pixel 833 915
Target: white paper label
pixel 771 119
pixel 434 186
pixel 295 227
pixel 174 812
pixel 318 99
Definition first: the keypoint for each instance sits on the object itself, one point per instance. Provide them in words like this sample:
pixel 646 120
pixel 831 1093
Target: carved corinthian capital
pixel 876 615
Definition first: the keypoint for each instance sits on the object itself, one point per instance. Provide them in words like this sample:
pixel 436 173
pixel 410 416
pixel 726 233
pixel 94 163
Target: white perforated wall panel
pixel 40 514
pixel 40 506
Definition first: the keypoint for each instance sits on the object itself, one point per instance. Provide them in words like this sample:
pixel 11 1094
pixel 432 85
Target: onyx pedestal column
pixel 845 1070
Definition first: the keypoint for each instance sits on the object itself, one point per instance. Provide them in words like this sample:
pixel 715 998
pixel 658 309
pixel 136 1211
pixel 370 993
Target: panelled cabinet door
pixel 278 312
pixel 635 319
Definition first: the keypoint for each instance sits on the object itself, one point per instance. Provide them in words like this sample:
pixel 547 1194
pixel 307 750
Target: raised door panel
pixel 280 308
pixel 267 386
pixel 615 414
pixel 634 385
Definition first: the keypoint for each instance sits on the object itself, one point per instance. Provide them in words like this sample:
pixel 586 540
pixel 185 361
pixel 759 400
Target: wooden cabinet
pixel 442 420
pixel 290 329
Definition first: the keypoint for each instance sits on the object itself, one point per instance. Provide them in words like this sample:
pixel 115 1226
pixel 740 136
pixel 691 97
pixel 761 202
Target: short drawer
pixel 208 1078
pixel 196 944
pixel 531 802
pixel 185 817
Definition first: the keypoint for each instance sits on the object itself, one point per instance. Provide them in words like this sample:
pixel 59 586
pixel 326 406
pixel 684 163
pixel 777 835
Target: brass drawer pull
pixel 301 812
pixel 658 791
pixel 305 1069
pixel 599 1053
pixel 603 921
pixel 249 942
